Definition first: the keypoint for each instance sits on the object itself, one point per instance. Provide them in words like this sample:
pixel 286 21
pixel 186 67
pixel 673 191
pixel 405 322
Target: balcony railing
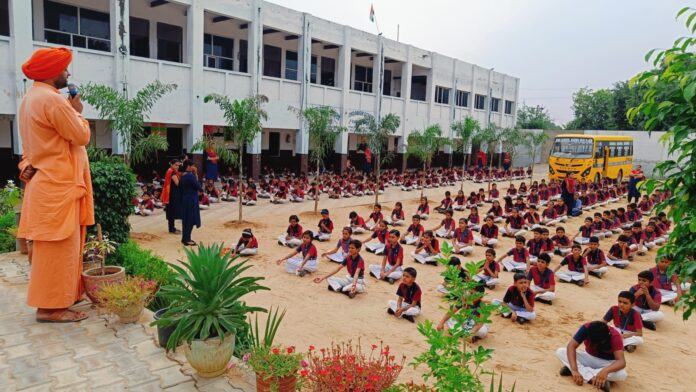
pixel 77 40
pixel 218 62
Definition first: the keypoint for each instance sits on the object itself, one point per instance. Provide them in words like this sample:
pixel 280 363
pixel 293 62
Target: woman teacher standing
pixel 567 191
pixel 635 177
pixel 190 211
pixel 171 197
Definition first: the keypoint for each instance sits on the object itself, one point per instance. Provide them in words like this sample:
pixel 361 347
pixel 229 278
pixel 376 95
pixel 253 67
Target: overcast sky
pixel 553 46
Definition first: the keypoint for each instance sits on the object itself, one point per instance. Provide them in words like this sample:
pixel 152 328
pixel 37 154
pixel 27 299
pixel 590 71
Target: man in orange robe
pixel 58 202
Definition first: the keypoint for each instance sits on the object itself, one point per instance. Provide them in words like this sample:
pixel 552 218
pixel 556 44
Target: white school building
pixel 241 48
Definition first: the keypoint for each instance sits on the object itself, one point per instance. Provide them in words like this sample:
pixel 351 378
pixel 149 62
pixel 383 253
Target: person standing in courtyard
pixel 171 197
pixel 211 164
pixel 58 204
pixel 635 177
pixel 190 210
pixel 568 191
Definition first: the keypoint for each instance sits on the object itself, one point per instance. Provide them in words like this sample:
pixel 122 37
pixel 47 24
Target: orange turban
pixel 47 63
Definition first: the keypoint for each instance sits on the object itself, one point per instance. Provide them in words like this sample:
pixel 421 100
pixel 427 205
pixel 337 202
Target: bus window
pixel 572 147
pixel 630 148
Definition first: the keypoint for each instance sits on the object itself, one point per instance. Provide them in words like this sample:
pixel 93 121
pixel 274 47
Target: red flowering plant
pixel 344 367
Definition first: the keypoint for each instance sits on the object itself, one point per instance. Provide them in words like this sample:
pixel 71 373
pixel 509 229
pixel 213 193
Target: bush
pixel 113 186
pixel 7 240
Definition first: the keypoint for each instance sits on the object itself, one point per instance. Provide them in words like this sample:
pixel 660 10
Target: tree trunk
pixel 490 167
pixel 422 181
pixel 463 166
pixel 316 189
pixel 533 162
pixel 240 196
pixel 377 160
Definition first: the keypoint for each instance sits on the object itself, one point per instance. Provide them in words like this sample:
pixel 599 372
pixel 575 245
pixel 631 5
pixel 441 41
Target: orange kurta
pixel 58 200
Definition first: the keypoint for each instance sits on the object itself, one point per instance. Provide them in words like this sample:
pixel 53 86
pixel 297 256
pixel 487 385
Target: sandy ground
pixel 525 353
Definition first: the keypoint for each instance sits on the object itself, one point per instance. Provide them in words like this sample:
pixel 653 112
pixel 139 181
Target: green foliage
pixel 512 138
pixel 593 109
pixel 113 187
pixel 465 131
pixel 378 133
pixel 531 140
pixel 452 362
pixel 669 103
pixel 10 197
pixel 96 154
pixel 273 363
pixel 206 297
pixel 127 116
pixel 425 144
pixel 7 228
pixel 273 321
pixel 534 117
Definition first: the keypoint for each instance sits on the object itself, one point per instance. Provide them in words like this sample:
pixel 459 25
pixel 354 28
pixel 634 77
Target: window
pixel 291 65
pixel 78 27
pixel 169 42
pixel 462 99
pixel 479 102
pixel 571 147
pixel 139 37
pixel 4 18
pixel 363 79
pixel 243 55
pixel 442 95
pixel 218 52
pixel 274 144
pixel 328 71
pixel 495 105
pixel 272 61
pixel 418 87
pixel 386 85
pixel 313 70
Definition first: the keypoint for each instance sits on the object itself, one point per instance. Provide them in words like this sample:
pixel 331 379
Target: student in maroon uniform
pixel 397 215
pixel 584 233
pixel 549 216
pixel 670 286
pixel 627 321
pixel 493 194
pixel 488 234
pixel 517 258
pixel 459 202
pixel 561 242
pixel 514 225
pixel 519 299
pixel 596 260
pixel 445 204
pixel 446 227
pixel 380 234
pixel 392 262
pixel 414 232
pixel 474 219
pixel 602 361
pixel 375 217
pixel 648 300
pixel 496 211
pixel 293 235
pixel 427 250
pixel 536 246
pixel 247 244
pixel 339 253
pixel 542 280
pixel 408 305
pixel 490 271
pixel 303 259
pixel 577 267
pixel 463 239
pixel 354 282
pixel 357 223
pixel 325 227
pixel 423 208
pixel 619 253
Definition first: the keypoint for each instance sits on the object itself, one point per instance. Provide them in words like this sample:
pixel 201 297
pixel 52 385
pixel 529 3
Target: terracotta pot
pixel 22 246
pixel 210 357
pixel 130 314
pixel 283 384
pixel 93 279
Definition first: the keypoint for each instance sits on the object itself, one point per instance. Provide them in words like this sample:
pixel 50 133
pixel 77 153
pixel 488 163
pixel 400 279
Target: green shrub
pixel 113 186
pixel 7 240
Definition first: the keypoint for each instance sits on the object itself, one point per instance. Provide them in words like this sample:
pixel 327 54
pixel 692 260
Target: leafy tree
pixel 323 125
pixel 512 138
pixel 488 136
pixel 668 104
pixel 424 145
pixel 593 109
pixel 378 133
pixel 127 117
pixel 625 96
pixel 531 140
pixel 534 117
pixel 465 130
pixel 243 118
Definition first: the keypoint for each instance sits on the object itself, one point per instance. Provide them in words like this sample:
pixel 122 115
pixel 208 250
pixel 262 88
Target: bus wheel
pixel 619 178
pixel 597 178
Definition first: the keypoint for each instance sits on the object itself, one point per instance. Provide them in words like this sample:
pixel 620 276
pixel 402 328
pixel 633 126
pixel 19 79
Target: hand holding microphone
pixel 74 98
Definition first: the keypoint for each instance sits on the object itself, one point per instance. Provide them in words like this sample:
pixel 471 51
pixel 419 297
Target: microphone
pixel 72 89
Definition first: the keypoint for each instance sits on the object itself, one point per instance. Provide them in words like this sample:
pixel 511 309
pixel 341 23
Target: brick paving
pixel 97 354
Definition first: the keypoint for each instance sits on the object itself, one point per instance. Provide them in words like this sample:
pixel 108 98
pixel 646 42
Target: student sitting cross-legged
pixel 490 270
pixel 414 232
pixel 648 300
pixel 303 259
pixel 517 258
pixel 408 305
pixel 519 299
pixel 627 321
pixel 339 253
pixel 577 268
pixel 670 286
pixel 247 244
pixel 596 261
pixel 325 226
pixel 463 239
pixel 293 235
pixel 357 223
pixel 427 250
pixel 354 282
pixel 392 262
pixel 477 330
pixel 619 253
pixel 542 280
pixel 380 234
pixel 603 359
pixel 488 234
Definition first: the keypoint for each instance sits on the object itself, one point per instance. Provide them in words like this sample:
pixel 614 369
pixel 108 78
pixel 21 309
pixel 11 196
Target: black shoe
pixel 580 283
pixel 302 273
pixel 351 295
pixel 390 311
pixel 650 325
pixel 521 320
pixel 606 387
pixel 596 274
pixel 391 280
pixel 544 301
pixel 330 288
pixel 630 348
pixel 409 318
pixel 475 339
pixel 565 371
pixel 403 242
pixel 506 315
pixel 431 262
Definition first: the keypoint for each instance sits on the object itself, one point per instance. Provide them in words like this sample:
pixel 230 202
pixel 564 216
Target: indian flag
pixel 372 13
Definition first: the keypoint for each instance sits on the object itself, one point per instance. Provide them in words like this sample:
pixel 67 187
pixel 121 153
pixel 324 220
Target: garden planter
pixel 284 384
pixel 93 279
pixel 131 314
pixel 210 357
pixel 163 333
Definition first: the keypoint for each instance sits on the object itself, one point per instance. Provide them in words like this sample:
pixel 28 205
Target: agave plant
pixel 206 297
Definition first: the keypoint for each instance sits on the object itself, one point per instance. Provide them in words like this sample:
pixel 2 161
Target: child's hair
pixel 488 218
pixel 623 238
pixel 449 212
pixel 647 275
pixel 356 243
pixel 628 295
pixel 411 271
pixel 637 224
pixel 597 214
pixel 447 193
pixel 429 233
pixel 309 234
pixel 576 246
pixel 398 204
pixel 532 207
pixel 519 276
pixel 348 229
pixel 519 239
pixel 490 251
pixel 395 232
pixel 598 332
pixel 560 228
pixel 588 219
pixel 352 214
pixel 454 261
pixel 246 233
pixel 294 218
pixel 594 240
pixel 378 206
pixel 537 230
pixel 544 230
pixel 463 220
pixel 621 209
pixel 416 216
pixel 544 257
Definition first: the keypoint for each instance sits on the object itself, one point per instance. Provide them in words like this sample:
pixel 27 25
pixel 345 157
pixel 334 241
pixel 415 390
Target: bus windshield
pixel 572 147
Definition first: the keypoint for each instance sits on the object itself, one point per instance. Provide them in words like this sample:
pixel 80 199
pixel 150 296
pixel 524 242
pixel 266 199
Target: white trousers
pixel 650 315
pixel 396 222
pixel 488 280
pixel 424 216
pixel 640 249
pixel 344 284
pixel 601 270
pixel 293 263
pixel 464 249
pixel 203 206
pixel 511 265
pixel 617 262
pixel 410 239
pixel 492 242
pixel 321 236
pixel 551 222
pixel 338 257
pixel 443 233
pixel 248 251
pixel 292 242
pixel 589 365
pixel 631 340
pixel 375 247
pixel 564 251
pixel 514 232
pixel 547 295
pixel 414 311
pixel 424 257
pixel 358 229
pixel 249 202
pixel 668 295
pixel 570 276
pixel 520 311
pixel 582 240
pixel 481 333
pixel 392 272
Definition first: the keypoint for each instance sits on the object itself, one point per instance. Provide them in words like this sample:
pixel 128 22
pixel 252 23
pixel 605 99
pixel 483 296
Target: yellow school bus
pixel 591 157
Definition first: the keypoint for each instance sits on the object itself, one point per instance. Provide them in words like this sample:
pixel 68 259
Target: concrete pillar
pixel 343 81
pixel 255 54
pixel 472 94
pixel 430 89
pixel 453 113
pixel 119 11
pixel 302 139
pixel 195 26
pixel 406 75
pixel 21 48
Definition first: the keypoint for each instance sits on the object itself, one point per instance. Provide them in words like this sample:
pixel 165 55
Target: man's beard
pixel 61 83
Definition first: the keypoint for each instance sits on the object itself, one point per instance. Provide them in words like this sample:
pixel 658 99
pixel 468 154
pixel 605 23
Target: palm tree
pixel 127 117
pixel 378 135
pixel 323 125
pixel 424 145
pixel 532 140
pixel 243 118
pixel 488 136
pixel 512 138
pixel 465 130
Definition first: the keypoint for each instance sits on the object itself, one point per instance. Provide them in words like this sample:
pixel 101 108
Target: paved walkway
pixel 93 355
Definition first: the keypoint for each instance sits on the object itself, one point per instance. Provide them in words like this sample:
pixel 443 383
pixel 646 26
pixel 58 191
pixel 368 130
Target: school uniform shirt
pixel 642 302
pixel 376 216
pixel 459 200
pixel 310 250
pixel 633 215
pixel 512 296
pixel 448 224
pixel 463 236
pixel 489 231
pixel 536 246
pixel 493 266
pixel 496 211
pixel 548 245
pixel 597 349
pixel 533 199
pixel 586 231
pixel 649 236
pixel 544 279
pixel 661 280
pixel 561 241
pixel 515 222
pixel 597 226
pixel 494 194
pixel 423 209
pixel 595 257
pixel 294 231
pixel 148 205
pixel 573 264
pixel 561 209
pixel 343 244
pixel 411 294
pixel 637 237
pixel 626 322
pixel 353 264
pixel 394 254
pixel 358 221
pixel 434 245
pixel 328 223
pixel 544 194
pixel 608 223
pixel 381 235
pixel 518 255
pixel 446 203
pixel 615 251
pixel 550 213
pixel 397 215
pixel 416 230
pixel 474 219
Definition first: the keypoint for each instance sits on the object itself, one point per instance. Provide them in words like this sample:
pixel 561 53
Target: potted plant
pixel 128 298
pixel 206 307
pixel 98 248
pixel 10 199
pixel 275 367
